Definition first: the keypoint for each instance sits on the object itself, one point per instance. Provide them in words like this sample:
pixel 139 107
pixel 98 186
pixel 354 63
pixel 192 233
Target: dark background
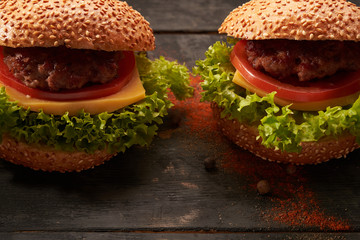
pixel 165 192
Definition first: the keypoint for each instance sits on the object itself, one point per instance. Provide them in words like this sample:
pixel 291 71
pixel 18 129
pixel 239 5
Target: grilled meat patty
pixel 54 69
pixel 306 60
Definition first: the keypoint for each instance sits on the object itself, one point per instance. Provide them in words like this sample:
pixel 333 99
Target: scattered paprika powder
pixel 293 203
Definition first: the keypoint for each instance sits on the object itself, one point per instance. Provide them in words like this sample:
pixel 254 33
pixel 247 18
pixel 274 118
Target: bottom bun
pixel 245 135
pixel 49 159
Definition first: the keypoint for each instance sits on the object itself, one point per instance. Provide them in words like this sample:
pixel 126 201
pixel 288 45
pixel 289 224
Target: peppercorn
pixel 210 163
pixel 263 187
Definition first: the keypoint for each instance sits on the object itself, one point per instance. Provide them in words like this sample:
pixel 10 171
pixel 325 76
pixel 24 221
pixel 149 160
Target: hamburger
pixel 286 84
pixel 76 87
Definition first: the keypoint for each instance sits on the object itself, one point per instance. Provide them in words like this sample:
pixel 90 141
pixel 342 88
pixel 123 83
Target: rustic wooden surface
pixel 165 192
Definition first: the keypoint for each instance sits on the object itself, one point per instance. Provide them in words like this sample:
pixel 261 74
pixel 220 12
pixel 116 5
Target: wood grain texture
pixel 180 236
pixel 185 15
pixel 186 49
pixel 166 188
pixel 165 192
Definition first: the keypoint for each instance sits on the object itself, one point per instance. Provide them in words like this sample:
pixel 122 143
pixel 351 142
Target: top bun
pixel 294 20
pixel 108 25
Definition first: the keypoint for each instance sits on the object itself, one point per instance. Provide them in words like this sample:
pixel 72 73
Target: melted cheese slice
pixel 131 93
pixel 303 106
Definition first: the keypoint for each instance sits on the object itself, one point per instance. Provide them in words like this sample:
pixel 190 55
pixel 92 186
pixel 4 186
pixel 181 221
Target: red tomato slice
pixel 126 63
pixel 339 85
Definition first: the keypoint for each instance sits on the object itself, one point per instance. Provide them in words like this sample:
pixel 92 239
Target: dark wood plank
pixel 165 192
pixel 166 188
pixel 163 188
pixel 177 236
pixel 185 15
pixel 186 49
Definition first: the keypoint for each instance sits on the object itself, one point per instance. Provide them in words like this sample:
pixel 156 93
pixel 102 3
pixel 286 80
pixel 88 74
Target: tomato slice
pixel 340 85
pixel 302 106
pixel 126 63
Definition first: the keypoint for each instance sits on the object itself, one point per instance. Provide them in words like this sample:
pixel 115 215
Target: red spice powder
pixel 303 210
pixel 293 203
pixel 199 117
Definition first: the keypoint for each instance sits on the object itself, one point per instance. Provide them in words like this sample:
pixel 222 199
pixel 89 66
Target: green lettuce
pixel 136 124
pixel 279 127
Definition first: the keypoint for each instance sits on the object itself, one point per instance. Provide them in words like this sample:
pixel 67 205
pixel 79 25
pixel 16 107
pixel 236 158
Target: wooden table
pixel 165 192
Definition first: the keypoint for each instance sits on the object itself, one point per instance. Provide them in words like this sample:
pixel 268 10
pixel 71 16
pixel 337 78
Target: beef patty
pixel 306 60
pixel 58 68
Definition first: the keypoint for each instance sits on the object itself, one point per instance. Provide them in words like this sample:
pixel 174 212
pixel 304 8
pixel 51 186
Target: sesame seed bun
pixel 294 20
pixel 109 25
pixel 49 159
pixel 245 136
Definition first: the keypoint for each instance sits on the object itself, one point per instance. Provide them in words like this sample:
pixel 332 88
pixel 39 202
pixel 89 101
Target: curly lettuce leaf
pixel 279 127
pixel 136 124
pixel 166 74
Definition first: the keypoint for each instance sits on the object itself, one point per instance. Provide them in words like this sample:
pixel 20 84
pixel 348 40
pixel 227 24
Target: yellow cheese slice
pixel 303 106
pixel 131 93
